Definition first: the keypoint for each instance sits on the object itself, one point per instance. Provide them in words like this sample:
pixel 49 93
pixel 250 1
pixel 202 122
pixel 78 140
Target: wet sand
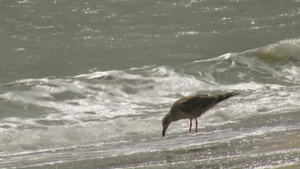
pixel 276 150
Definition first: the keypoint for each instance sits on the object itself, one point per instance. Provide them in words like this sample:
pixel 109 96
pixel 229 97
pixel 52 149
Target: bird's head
pixel 165 123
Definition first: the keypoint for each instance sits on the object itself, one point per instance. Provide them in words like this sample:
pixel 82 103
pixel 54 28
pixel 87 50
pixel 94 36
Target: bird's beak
pixel 164 132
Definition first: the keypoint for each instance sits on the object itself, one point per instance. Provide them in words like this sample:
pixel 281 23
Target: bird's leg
pixel 196 125
pixel 191 125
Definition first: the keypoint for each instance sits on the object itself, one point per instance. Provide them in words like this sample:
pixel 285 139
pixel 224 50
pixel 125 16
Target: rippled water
pixel 86 84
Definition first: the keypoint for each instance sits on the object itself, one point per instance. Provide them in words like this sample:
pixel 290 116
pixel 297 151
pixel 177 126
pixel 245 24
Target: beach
pixel 86 84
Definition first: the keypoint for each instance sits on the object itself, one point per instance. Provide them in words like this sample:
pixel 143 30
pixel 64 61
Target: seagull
pixel 192 107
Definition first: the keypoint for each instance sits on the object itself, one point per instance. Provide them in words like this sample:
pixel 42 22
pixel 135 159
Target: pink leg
pixel 196 125
pixel 191 125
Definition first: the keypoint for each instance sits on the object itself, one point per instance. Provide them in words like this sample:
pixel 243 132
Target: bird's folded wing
pixel 197 102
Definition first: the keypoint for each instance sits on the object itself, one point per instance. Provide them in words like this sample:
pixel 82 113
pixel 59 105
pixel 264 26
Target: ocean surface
pixel 85 84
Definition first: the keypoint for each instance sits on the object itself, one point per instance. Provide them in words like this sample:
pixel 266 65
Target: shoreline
pixel 275 150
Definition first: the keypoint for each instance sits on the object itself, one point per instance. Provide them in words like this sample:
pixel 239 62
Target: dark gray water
pixel 85 84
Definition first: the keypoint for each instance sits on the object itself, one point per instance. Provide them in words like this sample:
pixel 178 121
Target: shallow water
pixel 86 84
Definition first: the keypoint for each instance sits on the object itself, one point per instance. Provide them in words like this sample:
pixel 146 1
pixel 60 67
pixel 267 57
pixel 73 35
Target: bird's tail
pixel 226 96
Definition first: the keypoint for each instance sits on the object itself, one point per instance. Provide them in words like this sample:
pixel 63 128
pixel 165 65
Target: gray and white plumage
pixel 192 107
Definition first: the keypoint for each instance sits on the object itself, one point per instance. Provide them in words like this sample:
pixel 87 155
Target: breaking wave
pixel 115 106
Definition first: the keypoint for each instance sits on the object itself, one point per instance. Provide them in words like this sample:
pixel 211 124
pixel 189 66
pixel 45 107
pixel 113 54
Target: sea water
pixel 85 84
